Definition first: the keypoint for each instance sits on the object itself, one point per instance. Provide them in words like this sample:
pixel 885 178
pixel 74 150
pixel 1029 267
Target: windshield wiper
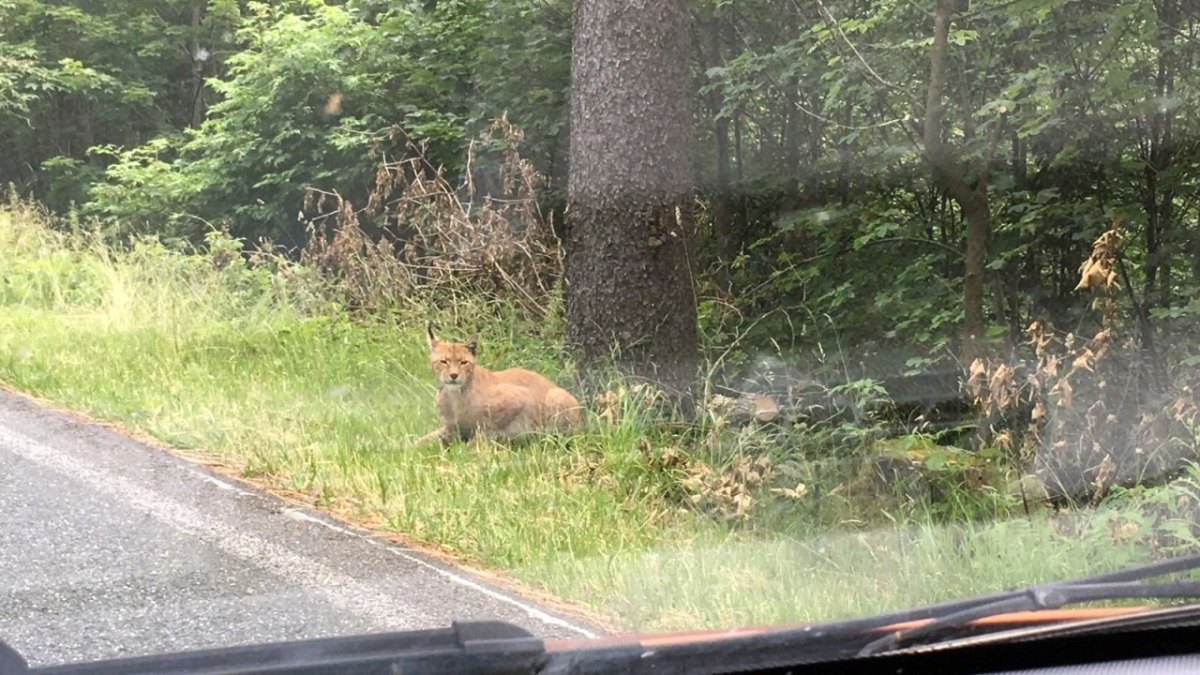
pixel 486 647
pixel 1124 585
pixel 500 649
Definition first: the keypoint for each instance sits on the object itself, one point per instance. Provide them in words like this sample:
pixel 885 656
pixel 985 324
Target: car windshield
pixel 594 316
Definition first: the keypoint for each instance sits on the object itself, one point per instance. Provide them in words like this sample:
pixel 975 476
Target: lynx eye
pixel 444 362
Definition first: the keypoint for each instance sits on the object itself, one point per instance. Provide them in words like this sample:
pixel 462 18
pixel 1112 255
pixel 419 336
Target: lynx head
pixel 453 362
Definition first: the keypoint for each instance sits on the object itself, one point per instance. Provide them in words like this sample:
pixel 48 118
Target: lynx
pixel 503 404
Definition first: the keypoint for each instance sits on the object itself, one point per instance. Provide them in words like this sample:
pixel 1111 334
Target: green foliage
pixel 304 102
pixel 143 192
pixel 1078 114
pixel 81 74
pixel 319 94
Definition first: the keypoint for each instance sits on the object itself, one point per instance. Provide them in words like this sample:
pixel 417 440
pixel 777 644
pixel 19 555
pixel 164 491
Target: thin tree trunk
pixel 739 164
pixel 978 219
pixel 1021 273
pixel 1158 202
pixel 198 109
pixel 723 240
pixel 972 201
pixel 722 221
pixel 845 161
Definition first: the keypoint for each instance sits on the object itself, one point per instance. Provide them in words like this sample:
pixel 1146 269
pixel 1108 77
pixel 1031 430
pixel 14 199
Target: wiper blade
pixel 486 647
pixel 1142 620
pixel 1124 585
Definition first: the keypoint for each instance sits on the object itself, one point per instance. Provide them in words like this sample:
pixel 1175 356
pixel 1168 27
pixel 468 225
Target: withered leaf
pixel 1083 361
pixel 1039 411
pixel 1063 389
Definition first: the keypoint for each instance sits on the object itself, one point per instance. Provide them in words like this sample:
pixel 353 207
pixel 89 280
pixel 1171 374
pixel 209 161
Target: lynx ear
pixel 473 344
pixel 429 332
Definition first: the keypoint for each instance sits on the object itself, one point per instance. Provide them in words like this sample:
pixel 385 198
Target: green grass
pixel 250 365
pixel 836 575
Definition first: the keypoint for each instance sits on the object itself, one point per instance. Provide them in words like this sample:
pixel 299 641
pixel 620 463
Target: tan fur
pixel 503 404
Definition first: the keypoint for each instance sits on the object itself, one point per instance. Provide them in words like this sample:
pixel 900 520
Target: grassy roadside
pixel 246 364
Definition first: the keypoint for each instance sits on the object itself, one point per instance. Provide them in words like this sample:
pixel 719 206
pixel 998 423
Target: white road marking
pixel 224 485
pixel 448 574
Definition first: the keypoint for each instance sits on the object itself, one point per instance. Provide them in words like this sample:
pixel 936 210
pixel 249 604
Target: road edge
pixel 492 582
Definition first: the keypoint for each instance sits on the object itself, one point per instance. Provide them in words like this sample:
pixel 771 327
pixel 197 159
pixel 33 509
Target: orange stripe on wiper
pixel 691 637
pixel 1031 616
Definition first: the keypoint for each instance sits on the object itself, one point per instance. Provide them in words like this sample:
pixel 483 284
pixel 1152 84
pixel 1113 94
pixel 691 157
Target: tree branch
pixel 857 54
pixel 846 249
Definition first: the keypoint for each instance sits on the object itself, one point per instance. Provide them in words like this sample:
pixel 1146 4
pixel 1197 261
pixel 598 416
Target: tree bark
pixel 630 290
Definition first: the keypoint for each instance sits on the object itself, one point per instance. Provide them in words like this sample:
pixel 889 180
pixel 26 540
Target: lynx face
pixel 453 363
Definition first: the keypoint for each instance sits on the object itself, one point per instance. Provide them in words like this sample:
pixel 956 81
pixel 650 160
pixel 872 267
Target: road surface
pixel 110 548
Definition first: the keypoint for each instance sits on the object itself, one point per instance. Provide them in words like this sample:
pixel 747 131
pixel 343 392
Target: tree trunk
pixel 722 226
pixel 724 246
pixel 198 108
pixel 1023 273
pixel 978 226
pixel 845 160
pixel 630 290
pixel 972 200
pixel 1193 247
pixel 1159 201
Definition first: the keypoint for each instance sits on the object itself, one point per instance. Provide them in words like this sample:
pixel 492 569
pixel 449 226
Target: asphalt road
pixel 110 548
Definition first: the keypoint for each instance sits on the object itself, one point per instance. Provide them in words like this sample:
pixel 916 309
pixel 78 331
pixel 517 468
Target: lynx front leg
pixel 442 434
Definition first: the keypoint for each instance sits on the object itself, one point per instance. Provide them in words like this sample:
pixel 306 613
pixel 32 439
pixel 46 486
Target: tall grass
pixel 256 366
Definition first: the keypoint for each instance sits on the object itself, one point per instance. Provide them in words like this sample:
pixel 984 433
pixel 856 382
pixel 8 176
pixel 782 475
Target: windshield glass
pixel 594 316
